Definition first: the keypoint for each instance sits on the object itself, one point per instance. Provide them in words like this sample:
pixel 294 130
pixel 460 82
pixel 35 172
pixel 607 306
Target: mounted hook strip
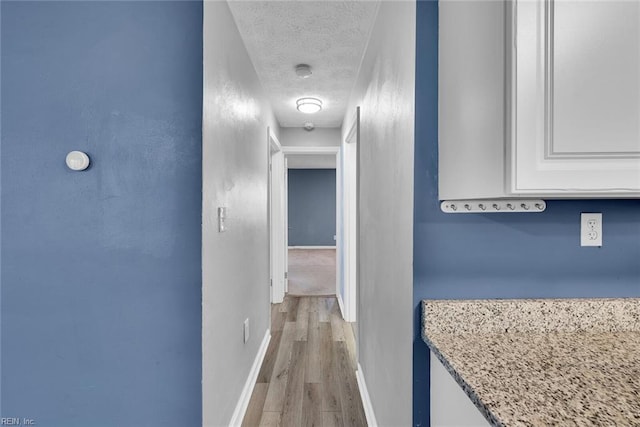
pixel 493 206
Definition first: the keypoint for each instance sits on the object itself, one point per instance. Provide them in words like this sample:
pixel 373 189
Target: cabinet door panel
pixel 577 97
pixel 595 86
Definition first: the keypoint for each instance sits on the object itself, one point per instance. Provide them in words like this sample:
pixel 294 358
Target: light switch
pixel 246 329
pixel 222 217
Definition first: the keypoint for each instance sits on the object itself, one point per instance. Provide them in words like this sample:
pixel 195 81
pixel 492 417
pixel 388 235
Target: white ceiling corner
pixel 330 36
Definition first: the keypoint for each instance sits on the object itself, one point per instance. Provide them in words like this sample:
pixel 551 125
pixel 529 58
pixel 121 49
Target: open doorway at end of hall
pixel 311 226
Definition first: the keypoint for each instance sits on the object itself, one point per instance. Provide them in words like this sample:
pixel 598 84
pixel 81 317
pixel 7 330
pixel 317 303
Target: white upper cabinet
pixel 576 101
pixel 569 104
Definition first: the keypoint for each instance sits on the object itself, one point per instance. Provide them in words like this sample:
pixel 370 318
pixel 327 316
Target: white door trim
pixel 286 225
pixel 339 223
pixel 350 207
pixel 277 247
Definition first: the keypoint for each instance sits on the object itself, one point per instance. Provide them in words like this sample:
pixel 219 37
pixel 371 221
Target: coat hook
pixel 493 206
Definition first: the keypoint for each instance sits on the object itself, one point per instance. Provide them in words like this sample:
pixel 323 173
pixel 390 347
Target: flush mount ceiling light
pixel 308 126
pixel 303 71
pixel 309 105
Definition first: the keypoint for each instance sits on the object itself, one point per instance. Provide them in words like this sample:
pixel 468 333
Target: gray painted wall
pixel 319 137
pixel 101 279
pixel 312 207
pixel 234 166
pixel 385 92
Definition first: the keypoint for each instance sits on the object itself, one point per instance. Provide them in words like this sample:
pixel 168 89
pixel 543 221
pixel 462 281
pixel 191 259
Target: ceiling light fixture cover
pixel 309 105
pixel 303 71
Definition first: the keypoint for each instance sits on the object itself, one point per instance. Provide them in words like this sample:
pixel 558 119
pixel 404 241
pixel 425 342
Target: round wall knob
pixel 77 161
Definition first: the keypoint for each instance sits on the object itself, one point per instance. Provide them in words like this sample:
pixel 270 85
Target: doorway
pixel 311 226
pixel 312 218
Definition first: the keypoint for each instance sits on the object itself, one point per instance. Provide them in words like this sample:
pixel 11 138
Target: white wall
pixel 385 93
pixel 311 161
pixel 236 115
pixel 319 137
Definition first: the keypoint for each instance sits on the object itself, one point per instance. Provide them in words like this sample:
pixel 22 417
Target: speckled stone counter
pixel 542 362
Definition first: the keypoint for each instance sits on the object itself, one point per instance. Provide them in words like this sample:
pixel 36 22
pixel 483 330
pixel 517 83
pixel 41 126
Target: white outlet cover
pixel 590 229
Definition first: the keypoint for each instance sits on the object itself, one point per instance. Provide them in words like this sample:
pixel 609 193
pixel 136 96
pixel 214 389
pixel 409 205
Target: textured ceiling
pixel 330 36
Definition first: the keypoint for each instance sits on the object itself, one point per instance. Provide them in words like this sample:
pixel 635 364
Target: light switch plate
pixel 222 217
pixel 590 229
pixel 246 329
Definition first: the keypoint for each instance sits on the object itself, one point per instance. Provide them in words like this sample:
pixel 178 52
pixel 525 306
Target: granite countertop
pixel 542 362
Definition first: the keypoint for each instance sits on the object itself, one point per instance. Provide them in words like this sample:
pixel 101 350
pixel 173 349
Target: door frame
pixel 286 224
pixel 351 165
pixel 322 151
pixel 276 213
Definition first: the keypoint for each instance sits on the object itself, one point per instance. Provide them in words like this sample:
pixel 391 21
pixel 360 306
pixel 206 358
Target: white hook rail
pixel 493 206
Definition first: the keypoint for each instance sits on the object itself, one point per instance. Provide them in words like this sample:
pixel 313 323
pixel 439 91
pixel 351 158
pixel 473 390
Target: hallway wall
pixel 385 92
pixel 101 278
pixel 503 255
pixel 235 166
pixel 312 207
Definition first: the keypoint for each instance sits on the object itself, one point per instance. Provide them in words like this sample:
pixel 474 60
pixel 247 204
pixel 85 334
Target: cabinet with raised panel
pixel 539 98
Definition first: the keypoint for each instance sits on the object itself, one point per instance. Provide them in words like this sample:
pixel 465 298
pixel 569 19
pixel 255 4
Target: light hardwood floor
pixel 308 374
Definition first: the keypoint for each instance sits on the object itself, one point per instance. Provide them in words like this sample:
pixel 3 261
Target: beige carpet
pixel 312 272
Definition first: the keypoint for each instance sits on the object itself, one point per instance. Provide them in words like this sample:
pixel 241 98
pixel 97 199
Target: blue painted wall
pixel 101 270
pixel 312 207
pixel 0 209
pixel 503 255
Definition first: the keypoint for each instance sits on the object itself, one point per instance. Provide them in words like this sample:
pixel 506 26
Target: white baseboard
pixel 312 247
pixel 247 390
pixel 366 400
pixel 341 306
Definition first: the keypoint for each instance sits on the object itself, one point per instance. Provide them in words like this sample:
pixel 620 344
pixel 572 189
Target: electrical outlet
pixel 246 329
pixel 591 229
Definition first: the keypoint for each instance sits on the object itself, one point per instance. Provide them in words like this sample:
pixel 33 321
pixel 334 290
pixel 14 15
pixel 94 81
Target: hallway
pixel 308 374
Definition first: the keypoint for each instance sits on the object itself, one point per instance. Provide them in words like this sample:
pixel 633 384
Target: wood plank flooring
pixel 308 374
